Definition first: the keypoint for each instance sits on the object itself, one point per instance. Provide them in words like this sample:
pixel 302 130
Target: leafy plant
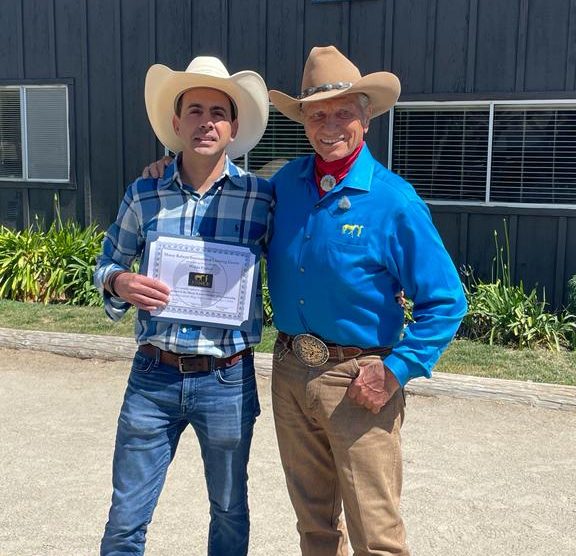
pixel 72 253
pixel 22 257
pixel 267 304
pixel 572 294
pixel 501 312
pixel 53 266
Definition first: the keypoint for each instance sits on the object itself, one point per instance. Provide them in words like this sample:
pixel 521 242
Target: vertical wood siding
pixel 474 48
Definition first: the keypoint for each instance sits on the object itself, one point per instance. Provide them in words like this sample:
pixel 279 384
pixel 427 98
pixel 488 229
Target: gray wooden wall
pixel 439 49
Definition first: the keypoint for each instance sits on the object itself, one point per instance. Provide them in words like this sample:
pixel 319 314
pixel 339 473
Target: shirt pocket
pixel 350 235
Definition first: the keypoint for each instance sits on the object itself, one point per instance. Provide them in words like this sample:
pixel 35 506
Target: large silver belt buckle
pixel 310 350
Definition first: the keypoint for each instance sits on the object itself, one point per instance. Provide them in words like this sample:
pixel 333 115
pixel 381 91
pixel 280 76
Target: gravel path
pixel 481 477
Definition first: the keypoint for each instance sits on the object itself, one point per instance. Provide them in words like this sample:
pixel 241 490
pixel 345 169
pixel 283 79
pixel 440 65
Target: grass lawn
pixel 462 357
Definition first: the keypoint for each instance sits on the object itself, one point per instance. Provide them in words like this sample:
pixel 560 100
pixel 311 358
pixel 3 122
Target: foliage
pixel 72 252
pixel 52 266
pixel 267 304
pixel 501 312
pixel 572 294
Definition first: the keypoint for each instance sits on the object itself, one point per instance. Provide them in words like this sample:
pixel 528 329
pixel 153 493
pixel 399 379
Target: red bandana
pixel 337 168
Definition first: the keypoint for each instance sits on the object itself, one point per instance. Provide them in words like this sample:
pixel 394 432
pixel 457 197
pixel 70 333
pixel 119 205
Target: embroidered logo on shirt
pixel 354 230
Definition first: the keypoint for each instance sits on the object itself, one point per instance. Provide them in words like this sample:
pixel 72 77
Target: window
pixel 283 140
pixel 34 136
pixel 506 152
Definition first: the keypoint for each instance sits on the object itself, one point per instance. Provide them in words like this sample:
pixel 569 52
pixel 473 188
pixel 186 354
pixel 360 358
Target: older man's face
pixel 336 126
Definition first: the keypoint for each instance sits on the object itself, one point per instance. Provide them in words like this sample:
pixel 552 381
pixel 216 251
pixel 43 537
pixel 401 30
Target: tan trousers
pixel 334 451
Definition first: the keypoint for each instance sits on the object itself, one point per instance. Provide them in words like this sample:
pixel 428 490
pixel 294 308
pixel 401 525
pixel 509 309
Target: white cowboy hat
pixel 327 74
pixel 246 89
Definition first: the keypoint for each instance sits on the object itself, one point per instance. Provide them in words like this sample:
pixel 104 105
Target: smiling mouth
pixel 330 142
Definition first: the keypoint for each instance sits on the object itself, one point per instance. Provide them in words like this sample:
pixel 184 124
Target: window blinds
pixel 283 140
pixel 10 133
pixel 510 154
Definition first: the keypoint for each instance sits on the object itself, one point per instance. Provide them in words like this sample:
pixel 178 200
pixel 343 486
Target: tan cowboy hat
pixel 246 89
pixel 328 74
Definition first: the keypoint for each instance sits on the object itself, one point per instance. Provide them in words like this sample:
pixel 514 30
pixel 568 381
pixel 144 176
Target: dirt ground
pixel 480 477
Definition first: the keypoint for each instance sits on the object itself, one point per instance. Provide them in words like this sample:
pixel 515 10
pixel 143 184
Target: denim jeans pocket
pixel 142 363
pixel 240 373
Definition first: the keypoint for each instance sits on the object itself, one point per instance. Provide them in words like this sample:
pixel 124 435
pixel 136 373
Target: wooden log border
pixel 111 348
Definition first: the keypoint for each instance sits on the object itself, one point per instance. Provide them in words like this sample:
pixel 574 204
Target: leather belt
pixel 186 363
pixel 332 352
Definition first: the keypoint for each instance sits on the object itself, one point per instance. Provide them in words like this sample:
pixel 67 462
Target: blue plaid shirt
pixel 236 209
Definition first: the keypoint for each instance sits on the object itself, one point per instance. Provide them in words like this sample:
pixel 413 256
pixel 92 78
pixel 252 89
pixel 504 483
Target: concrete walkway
pixel 481 477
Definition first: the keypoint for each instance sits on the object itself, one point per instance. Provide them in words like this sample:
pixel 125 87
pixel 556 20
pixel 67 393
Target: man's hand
pixel 143 292
pixel 374 385
pixel 156 169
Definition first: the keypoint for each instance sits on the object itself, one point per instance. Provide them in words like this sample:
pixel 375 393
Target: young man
pixel 185 373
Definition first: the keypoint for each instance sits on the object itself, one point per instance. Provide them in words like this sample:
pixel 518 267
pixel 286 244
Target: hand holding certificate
pixel 211 283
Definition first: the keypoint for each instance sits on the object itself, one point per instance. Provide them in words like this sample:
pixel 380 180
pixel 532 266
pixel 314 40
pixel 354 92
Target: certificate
pixel 212 283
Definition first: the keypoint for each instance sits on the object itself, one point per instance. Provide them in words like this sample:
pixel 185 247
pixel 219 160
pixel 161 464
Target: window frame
pixel 39 183
pixel 491 104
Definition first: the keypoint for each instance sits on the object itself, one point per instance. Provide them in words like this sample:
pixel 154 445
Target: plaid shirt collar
pixel 172 174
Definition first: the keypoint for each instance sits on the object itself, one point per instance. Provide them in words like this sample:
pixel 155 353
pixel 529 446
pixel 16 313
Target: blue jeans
pixel 159 403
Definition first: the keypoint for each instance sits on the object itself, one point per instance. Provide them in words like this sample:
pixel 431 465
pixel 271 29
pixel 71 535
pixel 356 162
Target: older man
pixel 348 235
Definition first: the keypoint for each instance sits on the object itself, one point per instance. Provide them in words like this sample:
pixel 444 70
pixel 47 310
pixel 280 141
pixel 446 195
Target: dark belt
pixel 336 352
pixel 193 363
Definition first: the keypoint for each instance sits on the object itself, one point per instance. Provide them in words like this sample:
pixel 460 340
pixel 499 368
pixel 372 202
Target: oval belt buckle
pixel 310 350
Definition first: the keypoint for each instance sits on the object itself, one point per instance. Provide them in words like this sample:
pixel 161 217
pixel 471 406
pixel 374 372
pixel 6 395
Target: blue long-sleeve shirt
pixel 236 209
pixel 335 264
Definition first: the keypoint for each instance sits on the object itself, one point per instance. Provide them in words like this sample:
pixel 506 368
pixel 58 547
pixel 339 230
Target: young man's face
pixel 336 126
pixel 205 123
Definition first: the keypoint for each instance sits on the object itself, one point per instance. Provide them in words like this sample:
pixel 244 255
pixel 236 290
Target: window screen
pixel 442 153
pixel 47 133
pixel 448 154
pixel 283 140
pixel 34 137
pixel 534 156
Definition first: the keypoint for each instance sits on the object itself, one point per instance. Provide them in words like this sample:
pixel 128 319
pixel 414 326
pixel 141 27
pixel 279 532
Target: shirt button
pixel 307 236
pixel 301 302
pixel 301 269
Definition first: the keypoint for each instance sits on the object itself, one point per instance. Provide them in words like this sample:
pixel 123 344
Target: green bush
pixel 22 258
pixel 53 266
pixel 503 313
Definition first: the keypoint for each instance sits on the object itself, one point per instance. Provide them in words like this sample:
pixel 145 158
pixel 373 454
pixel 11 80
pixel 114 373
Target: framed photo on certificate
pixel 211 283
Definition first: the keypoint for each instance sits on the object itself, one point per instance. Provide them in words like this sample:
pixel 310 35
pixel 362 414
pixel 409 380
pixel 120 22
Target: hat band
pixel 323 88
